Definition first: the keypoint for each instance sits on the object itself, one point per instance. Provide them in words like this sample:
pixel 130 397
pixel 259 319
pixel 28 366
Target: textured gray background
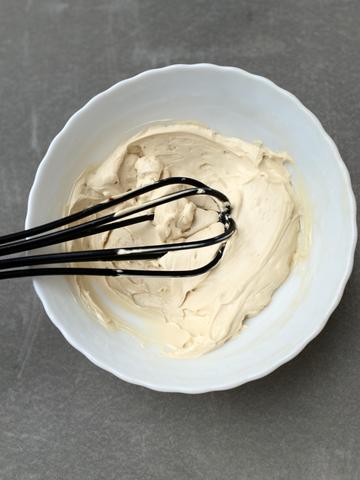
pixel 62 417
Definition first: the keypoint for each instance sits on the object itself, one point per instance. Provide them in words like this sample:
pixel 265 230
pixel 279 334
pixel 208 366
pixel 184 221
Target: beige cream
pixel 189 317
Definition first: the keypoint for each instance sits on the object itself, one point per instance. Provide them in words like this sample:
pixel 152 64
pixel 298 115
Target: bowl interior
pixel 234 103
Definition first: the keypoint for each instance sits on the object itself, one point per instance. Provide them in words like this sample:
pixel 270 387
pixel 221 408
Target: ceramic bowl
pixel 235 103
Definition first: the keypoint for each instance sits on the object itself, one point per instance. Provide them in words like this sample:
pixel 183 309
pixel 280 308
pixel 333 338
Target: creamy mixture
pixel 191 316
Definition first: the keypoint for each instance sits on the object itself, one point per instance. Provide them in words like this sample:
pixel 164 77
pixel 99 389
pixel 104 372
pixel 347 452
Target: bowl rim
pixel 341 285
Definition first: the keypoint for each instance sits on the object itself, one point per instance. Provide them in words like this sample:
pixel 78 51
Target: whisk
pixel 53 233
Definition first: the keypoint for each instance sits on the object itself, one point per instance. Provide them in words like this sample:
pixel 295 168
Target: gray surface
pixel 62 417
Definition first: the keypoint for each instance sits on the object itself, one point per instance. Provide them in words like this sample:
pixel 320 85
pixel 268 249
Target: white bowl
pixel 235 103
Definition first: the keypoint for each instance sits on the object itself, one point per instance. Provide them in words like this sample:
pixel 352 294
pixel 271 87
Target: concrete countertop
pixel 60 416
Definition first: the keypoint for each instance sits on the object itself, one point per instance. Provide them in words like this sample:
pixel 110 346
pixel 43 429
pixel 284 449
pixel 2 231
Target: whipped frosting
pixel 188 317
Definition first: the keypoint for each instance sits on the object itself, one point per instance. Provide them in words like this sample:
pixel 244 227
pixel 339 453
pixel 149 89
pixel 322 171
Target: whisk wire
pixel 43 236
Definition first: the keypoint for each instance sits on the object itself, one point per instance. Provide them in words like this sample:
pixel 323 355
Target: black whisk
pixel 43 236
